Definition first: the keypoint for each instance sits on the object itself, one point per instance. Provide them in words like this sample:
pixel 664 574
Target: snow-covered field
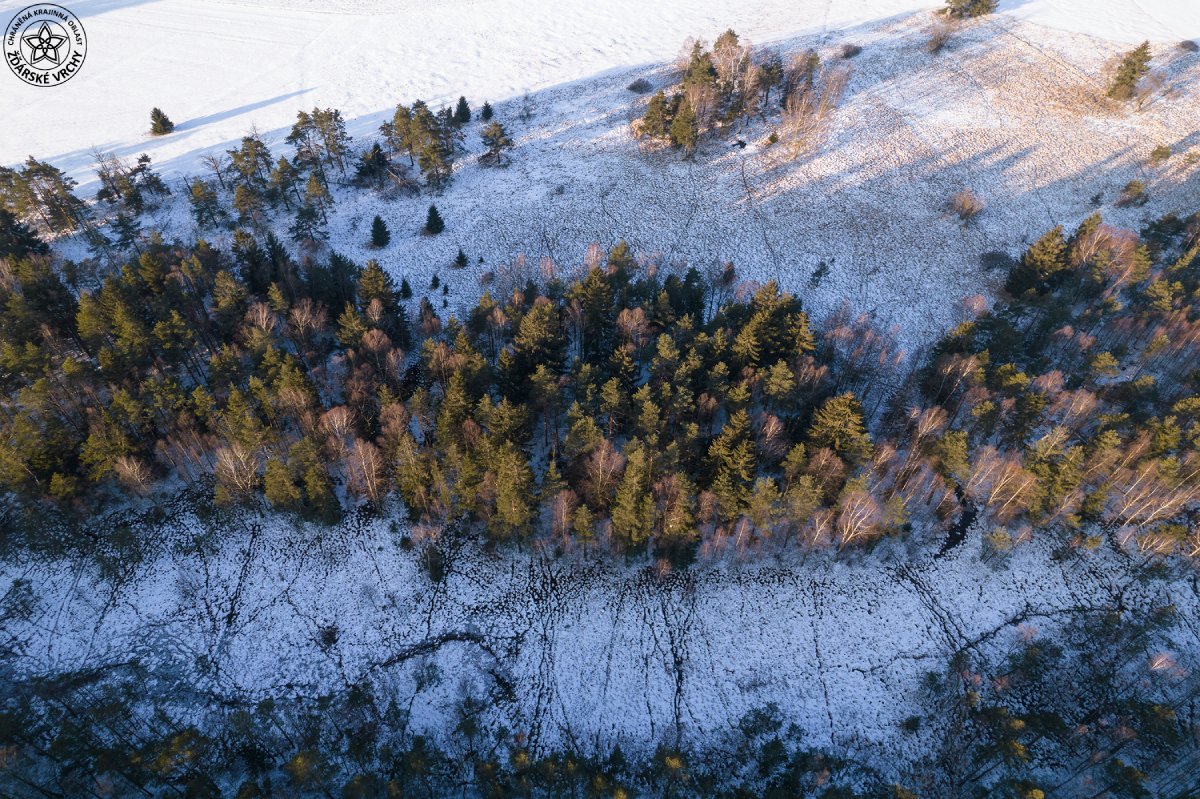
pixel 597 654
pixel 1010 110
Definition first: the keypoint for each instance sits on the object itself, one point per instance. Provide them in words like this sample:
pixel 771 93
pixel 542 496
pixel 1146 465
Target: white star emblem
pixel 44 44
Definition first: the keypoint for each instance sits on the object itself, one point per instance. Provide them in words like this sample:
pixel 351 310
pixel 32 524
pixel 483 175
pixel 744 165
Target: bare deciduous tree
pixel 809 112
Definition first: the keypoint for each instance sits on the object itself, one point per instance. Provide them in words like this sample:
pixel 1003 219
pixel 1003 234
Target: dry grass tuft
pixel 940 34
pixel 966 204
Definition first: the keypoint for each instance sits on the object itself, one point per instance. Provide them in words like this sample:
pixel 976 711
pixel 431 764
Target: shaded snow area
pixel 595 653
pixel 1011 110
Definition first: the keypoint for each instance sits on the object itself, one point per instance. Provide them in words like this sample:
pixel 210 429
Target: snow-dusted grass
pixel 1012 111
pixel 597 652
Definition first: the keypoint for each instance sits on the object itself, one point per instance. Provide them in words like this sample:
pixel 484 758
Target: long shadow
pixel 218 117
pixel 609 102
pixel 94 8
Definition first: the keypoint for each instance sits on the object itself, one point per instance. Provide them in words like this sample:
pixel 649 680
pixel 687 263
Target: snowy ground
pixel 1012 110
pixel 597 653
pixel 1008 111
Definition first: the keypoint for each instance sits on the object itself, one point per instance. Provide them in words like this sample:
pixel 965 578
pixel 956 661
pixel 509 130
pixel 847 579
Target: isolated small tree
pixel 160 125
pixel 1134 193
pixel 405 289
pixel 685 131
pixel 380 236
pixel 486 112
pixel 1134 67
pixel 496 139
pixel 435 283
pixel 460 260
pixel 434 224
pixel 462 112
pixel 1159 154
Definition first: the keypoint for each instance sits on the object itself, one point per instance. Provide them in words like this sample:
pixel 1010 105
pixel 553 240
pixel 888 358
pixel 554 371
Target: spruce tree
pixel 460 260
pixel 376 284
pixel 160 125
pixel 405 289
pixel 462 112
pixel 1133 68
pixel 281 492
pixel 433 222
pixel 17 240
pixel 380 236
pixel 633 507
pixel 685 132
pixel 838 425
pixel 486 112
pixel 1046 258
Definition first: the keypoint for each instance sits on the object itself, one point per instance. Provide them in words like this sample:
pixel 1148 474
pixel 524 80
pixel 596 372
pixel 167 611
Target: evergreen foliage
pixel 971 8
pixel 380 236
pixel 1040 263
pixel 656 122
pixel 496 139
pixel 462 112
pixel 486 112
pixel 160 125
pixel 434 224
pixel 685 131
pixel 1133 68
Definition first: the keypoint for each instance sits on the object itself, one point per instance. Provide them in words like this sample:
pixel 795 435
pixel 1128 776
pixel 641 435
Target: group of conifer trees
pixel 733 82
pixel 645 407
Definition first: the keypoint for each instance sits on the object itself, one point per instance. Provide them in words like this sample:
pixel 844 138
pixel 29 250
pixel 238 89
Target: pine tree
pixel 206 208
pixel 17 240
pixel 380 236
pixel 372 166
pixel 1133 68
pixel 514 512
pixel 685 132
pixel 128 231
pixel 434 223
pixel 248 203
pixel 160 125
pixel 283 181
pixel 436 161
pixel 405 289
pixel 317 195
pixel 307 224
pixel 486 112
pixel 352 326
pixel 462 112
pixel 460 260
pixel 496 139
pixel 655 121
